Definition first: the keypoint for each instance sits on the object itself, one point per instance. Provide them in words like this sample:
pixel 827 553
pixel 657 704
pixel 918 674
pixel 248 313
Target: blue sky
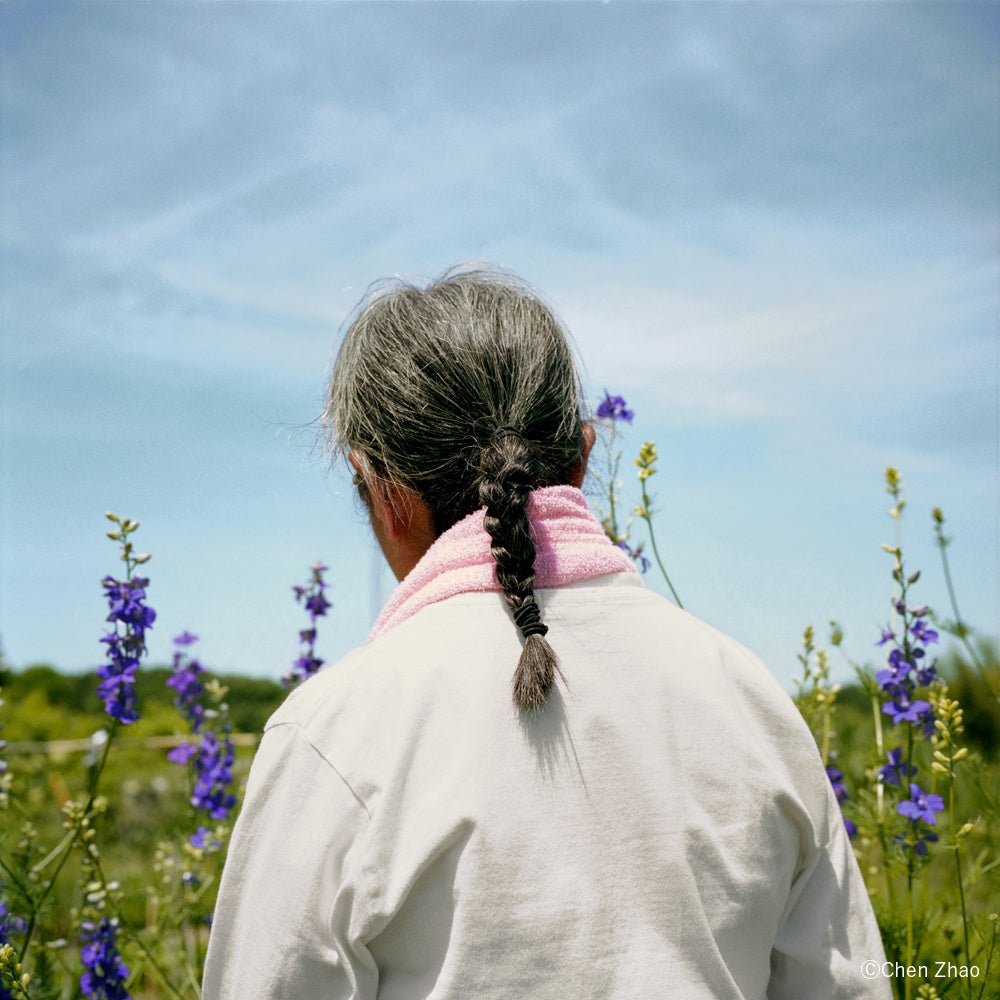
pixel 772 227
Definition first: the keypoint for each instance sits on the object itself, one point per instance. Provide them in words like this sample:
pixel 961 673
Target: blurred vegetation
pixel 44 704
pixel 939 905
pixel 148 807
pixel 147 795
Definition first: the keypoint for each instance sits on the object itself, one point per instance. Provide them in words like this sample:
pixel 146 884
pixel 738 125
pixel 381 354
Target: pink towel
pixel 570 545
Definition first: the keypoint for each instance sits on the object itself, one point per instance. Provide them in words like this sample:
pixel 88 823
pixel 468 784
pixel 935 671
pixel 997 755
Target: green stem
pixel 66 844
pixel 133 933
pixel 989 961
pixel 613 464
pixel 55 852
pixel 958 871
pixel 910 864
pixel 827 730
pixel 151 958
pixel 961 627
pixel 652 538
pixel 95 775
pixel 880 799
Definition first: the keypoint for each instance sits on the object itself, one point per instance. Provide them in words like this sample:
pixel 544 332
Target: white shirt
pixel 664 828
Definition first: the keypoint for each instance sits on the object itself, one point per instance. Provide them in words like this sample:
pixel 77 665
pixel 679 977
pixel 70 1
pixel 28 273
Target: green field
pixel 50 719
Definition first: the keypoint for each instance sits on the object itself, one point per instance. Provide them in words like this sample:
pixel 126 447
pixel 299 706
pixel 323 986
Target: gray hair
pixel 466 392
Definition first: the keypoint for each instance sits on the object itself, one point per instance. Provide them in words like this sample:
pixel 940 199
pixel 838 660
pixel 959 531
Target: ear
pixel 401 520
pixel 579 468
pixel 391 507
pixel 387 504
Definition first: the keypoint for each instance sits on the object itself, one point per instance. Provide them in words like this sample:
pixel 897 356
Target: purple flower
pixel 908 669
pixel 614 408
pixel 903 710
pixel 212 756
pixel 921 806
pixel 898 672
pixel 185 679
pixel 896 770
pixel 126 644
pixel 317 604
pixel 313 598
pixel 887 636
pixel 125 602
pixel 918 712
pixel 204 841
pixel 836 777
pixel 182 753
pixel 635 555
pixel 213 775
pixel 106 972
pixel 116 689
pixel 9 924
pixel 918 841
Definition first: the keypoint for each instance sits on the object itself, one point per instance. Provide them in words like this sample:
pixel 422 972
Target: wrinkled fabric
pixel 663 828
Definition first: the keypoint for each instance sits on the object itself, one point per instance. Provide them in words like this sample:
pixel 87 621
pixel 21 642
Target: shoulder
pixel 393 668
pixel 619 617
pixel 629 652
pixel 423 686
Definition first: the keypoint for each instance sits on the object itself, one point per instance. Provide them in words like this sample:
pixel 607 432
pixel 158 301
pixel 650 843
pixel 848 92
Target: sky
pixel 772 227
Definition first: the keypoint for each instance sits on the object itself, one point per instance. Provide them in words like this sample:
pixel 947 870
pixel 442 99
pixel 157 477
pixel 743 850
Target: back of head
pixel 466 393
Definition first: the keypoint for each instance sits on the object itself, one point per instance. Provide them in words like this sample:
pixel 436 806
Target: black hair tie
pixel 529 620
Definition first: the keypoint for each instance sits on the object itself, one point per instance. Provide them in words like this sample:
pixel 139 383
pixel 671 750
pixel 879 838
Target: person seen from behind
pixel 538 779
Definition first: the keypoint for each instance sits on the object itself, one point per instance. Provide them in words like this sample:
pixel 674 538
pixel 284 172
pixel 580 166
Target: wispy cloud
pixel 775 224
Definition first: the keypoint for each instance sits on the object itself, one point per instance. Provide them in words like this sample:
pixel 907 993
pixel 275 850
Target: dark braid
pixel 466 393
pixel 508 474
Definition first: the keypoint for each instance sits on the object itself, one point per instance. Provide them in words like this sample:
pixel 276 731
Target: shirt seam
pixel 326 760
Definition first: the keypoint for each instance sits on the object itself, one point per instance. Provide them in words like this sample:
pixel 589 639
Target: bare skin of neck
pixel 403 524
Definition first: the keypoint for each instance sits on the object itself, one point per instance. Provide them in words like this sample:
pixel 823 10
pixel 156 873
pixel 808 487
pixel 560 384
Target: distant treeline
pixel 44 703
